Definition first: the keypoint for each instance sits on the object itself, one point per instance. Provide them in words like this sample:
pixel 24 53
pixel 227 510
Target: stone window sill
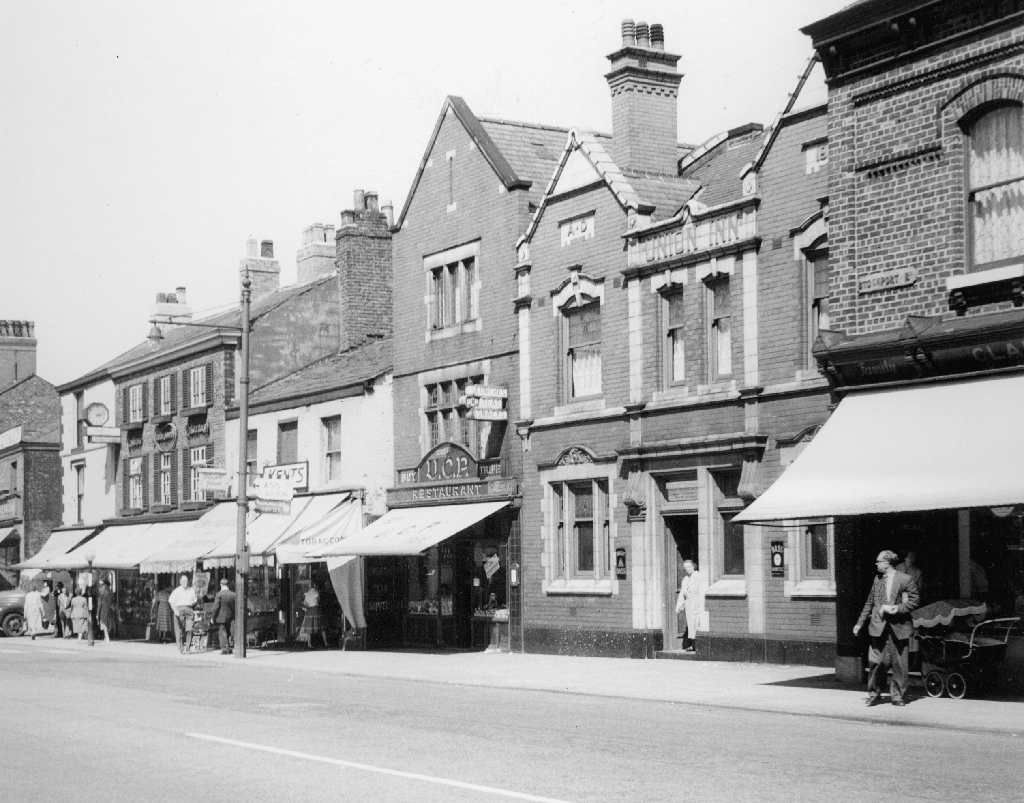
pixel 728 588
pixel 591 405
pixel 474 325
pixel 812 588
pixel 591 588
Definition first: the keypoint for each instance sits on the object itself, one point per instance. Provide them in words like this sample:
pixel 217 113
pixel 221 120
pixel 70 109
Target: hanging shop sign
pixel 273 506
pixel 297 474
pixel 103 434
pixel 213 480
pixel 165 436
pixel 778 559
pixel 273 490
pixel 485 402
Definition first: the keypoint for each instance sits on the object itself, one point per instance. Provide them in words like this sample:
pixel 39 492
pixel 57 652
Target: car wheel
pixel 14 625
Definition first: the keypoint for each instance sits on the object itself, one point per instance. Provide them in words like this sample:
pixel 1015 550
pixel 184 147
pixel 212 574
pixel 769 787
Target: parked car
pixel 12 612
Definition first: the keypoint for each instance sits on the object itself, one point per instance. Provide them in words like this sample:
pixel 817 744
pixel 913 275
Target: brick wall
pixel 363 260
pixel 34 405
pixel 897 179
pixel 41 496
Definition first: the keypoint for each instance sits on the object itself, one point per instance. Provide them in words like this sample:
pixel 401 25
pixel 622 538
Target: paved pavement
pixel 797 690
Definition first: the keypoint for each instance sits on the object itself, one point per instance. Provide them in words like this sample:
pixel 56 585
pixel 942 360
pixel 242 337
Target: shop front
pixel 922 455
pixel 437 563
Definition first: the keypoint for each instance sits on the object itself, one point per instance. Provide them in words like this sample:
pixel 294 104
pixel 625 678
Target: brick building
pixel 29 445
pixel 675 289
pixel 926 348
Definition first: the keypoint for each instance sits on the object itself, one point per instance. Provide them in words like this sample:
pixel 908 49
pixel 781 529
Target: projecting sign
pixel 213 479
pixel 487 390
pixel 485 402
pixel 297 474
pixel 103 434
pixel 478 414
pixel 274 506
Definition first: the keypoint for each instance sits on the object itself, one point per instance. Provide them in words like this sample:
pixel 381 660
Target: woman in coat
pixel 79 613
pixel 105 609
pixel 163 615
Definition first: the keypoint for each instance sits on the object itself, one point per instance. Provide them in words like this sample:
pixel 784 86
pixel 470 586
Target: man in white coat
pixel 691 600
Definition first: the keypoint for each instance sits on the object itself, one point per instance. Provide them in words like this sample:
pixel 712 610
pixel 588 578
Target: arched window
pixel 996 187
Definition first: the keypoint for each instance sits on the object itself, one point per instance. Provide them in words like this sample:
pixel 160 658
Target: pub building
pixel 925 353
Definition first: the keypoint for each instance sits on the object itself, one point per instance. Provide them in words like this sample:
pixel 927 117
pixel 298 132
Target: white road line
pixel 382 770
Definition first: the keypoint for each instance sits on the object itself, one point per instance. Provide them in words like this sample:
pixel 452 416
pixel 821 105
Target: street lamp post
pixel 90 556
pixel 241 552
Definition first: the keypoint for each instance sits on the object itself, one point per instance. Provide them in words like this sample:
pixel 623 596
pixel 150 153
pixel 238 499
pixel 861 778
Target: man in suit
pixel 893 596
pixel 224 614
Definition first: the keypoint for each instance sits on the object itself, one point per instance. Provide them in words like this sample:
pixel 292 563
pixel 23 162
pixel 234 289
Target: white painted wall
pixel 367 437
pixel 100 497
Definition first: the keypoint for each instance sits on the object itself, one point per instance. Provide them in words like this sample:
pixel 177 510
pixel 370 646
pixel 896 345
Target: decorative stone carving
pixel 634 498
pixel 574 456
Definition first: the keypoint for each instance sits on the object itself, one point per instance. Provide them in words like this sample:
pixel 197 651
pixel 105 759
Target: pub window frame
pixel 197 387
pixel 571 358
pixel 197 460
pixel 719 328
pixel 671 330
pixel 453 289
pixel 135 414
pixel 331 451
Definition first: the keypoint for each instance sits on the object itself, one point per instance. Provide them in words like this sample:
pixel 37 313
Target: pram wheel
pixel 956 686
pixel 934 684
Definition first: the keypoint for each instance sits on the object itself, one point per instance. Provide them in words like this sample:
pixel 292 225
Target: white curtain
pixel 997 158
pixel 586 370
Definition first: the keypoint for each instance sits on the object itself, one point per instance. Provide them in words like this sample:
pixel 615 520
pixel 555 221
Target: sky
pixel 142 144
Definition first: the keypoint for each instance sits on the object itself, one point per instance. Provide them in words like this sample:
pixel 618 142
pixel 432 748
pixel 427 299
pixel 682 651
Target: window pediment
pixel 576 290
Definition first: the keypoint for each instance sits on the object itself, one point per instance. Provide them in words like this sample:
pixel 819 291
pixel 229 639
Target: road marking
pixel 382 770
pixel 8 649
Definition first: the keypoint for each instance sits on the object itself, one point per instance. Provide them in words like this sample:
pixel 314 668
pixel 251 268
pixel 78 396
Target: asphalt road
pixel 89 726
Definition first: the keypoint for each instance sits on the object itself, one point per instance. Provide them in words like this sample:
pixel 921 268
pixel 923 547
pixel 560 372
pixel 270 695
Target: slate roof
pixel 718 171
pixel 666 193
pixel 182 335
pixel 351 367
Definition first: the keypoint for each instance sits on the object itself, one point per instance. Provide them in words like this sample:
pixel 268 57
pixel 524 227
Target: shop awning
pixel 9 537
pixel 114 548
pixel 929 447
pixel 336 524
pixel 267 530
pixel 409 531
pixel 56 548
pixel 194 540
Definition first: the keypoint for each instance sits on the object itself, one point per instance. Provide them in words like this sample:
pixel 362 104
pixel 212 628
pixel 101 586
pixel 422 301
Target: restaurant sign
pixel 474 490
pixel 691 238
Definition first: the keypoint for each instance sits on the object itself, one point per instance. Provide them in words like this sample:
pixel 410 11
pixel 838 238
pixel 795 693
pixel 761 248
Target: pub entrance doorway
pixel 681 543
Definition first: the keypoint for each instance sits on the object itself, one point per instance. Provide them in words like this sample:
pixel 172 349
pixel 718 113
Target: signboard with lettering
pixel 295 473
pixel 165 436
pixel 215 480
pixel 452 492
pixel 273 490
pixel 273 506
pixel 886 280
pixel 778 559
pixel 197 429
pixel 691 238
pixel 581 228
pixel 447 462
pixel 485 402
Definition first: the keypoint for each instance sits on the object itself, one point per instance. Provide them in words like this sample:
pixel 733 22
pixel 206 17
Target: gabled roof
pixel 718 163
pixel 480 136
pixel 585 160
pixel 352 367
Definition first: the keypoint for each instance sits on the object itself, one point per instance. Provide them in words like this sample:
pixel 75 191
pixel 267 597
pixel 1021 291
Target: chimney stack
pixel 17 352
pixel 644 84
pixel 315 258
pixel 264 271
pixel 389 213
pixel 363 262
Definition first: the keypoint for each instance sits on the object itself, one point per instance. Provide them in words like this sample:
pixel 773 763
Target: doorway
pixel 681 544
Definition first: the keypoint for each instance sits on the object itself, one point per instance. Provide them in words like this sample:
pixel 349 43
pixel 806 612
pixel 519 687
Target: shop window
pixel 583 355
pixel 675 339
pixel 810 560
pixel 818 317
pixel 331 428
pixel 287 442
pixel 453 287
pixel 447 417
pixel 197 387
pixel 580 511
pixel 135 404
pixel 720 328
pixel 996 188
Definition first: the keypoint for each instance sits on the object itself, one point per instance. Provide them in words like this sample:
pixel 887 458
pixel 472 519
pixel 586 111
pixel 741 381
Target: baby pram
pixel 198 638
pixel 960 646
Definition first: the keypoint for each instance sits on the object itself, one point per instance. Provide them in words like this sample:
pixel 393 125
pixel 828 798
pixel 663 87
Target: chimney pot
pixel 267 249
pixel 161 298
pixel 358 202
pixel 643 38
pixel 657 36
pixel 371 201
pixel 181 294
pixel 628 34
pixel 389 212
pixel 252 247
pixel 172 299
